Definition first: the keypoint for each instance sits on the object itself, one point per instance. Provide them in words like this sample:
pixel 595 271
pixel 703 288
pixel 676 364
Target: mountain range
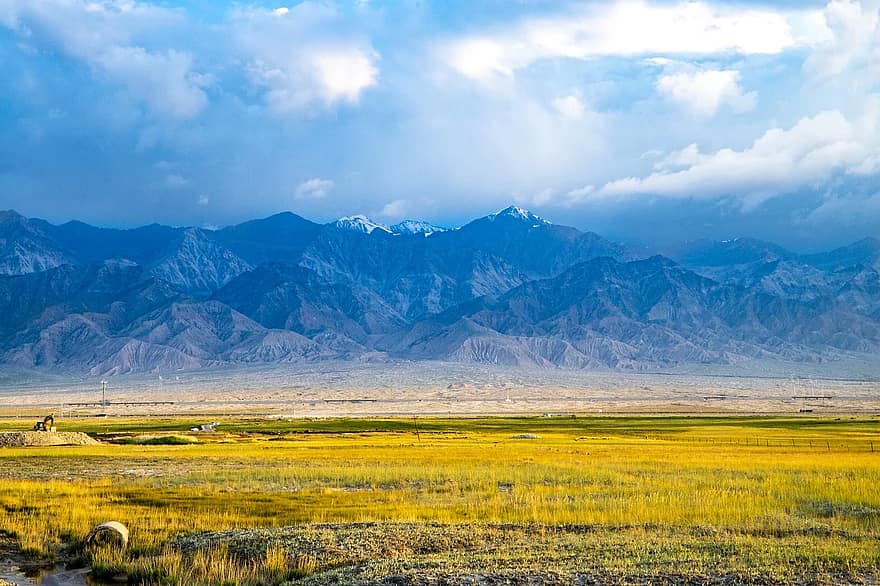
pixel 508 288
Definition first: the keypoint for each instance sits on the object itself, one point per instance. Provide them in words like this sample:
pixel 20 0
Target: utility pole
pixel 103 393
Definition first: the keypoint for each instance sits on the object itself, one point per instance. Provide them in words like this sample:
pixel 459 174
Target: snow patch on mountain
pixel 416 227
pixel 519 213
pixel 360 223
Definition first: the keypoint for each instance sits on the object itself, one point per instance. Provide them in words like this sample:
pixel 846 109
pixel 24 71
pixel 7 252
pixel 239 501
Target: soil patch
pixel 45 438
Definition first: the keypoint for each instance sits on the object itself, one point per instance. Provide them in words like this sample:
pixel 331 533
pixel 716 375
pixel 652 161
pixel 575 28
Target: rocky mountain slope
pixel 25 247
pixel 508 288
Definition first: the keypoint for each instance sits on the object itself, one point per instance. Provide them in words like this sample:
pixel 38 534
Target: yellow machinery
pixel 47 424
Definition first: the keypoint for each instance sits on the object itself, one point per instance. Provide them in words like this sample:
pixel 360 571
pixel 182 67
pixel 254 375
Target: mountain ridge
pixel 506 288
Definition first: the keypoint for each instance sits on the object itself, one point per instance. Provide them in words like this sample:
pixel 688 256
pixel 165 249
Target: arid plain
pixel 382 389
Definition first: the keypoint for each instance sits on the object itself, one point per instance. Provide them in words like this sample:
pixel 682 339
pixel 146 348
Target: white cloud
pixel 203 200
pixel 686 157
pixel 342 74
pixel 479 58
pixel 854 210
pixel 299 62
pixel 780 161
pixel 870 166
pixel 103 35
pixel 706 91
pixel 175 181
pixel 538 199
pixel 162 80
pixel 394 210
pixel 580 194
pixel 570 106
pixel 315 188
pixel 551 197
pixel 852 38
pixel 625 28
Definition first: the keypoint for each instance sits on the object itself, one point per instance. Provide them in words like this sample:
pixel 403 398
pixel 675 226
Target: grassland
pixel 608 499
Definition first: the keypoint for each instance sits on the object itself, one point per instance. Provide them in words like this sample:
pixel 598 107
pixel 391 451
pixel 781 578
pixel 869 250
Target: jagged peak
pixel 868 242
pixel 519 213
pixel 416 227
pixel 11 216
pixel 360 223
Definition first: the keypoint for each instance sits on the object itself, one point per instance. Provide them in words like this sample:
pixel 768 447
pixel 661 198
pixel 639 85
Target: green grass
pixel 775 497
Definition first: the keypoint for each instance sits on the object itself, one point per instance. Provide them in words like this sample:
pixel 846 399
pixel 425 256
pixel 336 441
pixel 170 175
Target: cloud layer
pixel 731 118
pixel 626 28
pixel 300 62
pixel 105 37
pixel 778 162
pixel 707 91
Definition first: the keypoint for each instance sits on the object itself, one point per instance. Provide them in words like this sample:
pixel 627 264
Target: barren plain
pixel 435 388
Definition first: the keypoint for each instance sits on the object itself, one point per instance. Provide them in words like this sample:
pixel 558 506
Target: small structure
pixel 109 533
pixel 47 424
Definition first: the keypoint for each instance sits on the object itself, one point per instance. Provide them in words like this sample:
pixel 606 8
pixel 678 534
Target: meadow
pixel 611 499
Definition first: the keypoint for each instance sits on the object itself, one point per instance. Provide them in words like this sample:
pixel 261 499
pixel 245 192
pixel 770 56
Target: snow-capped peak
pixel 519 214
pixel 360 223
pixel 415 227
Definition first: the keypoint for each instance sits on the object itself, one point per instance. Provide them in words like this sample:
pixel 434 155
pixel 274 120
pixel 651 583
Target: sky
pixel 645 121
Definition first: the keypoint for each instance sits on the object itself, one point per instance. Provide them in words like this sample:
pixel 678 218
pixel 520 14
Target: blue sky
pixel 645 121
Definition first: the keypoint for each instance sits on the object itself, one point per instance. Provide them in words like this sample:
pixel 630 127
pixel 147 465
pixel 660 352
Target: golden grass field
pixel 620 499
